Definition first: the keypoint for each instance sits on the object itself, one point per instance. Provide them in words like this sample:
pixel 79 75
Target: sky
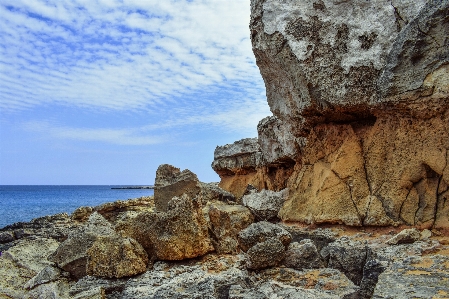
pixel 103 91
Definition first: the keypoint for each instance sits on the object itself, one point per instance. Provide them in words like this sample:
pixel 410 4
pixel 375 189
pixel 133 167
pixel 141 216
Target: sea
pixel 20 203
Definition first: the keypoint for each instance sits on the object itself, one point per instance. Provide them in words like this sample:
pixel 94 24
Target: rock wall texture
pixel 360 95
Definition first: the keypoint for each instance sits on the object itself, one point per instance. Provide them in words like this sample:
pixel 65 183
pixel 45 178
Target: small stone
pixel 406 236
pixel 426 234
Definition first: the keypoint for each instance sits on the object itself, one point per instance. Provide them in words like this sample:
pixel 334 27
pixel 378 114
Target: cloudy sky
pixel 103 91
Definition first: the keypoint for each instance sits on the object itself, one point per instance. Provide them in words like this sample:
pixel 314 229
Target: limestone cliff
pixel 360 95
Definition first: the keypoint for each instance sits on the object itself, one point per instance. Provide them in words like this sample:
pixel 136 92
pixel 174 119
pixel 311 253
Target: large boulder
pixel 170 182
pixel 71 255
pixel 332 61
pixel 303 255
pixel 95 248
pixel 177 234
pixel 265 254
pixel 115 257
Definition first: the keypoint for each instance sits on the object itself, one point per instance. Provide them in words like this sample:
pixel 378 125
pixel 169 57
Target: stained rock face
pixel 360 95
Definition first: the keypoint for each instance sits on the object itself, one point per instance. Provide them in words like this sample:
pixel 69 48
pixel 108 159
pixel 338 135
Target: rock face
pixel 359 91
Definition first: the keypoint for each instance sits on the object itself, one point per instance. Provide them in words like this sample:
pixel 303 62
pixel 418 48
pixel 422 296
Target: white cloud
pixel 114 136
pixel 129 55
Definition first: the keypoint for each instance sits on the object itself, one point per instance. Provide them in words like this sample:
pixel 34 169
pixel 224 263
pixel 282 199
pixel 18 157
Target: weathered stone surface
pixel 212 192
pixel 405 236
pixel 265 205
pixel 115 257
pixel 278 144
pixel 240 157
pixel 47 274
pixel 265 254
pixel 71 255
pixel 348 256
pixel 112 211
pixel 32 254
pixel 90 287
pixel 21 263
pixel 416 277
pixel 179 281
pixel 177 234
pixel 53 290
pixel 173 183
pixel 242 163
pixel 317 283
pixel 329 61
pixel 55 227
pixel 226 221
pixel 303 255
pixel 261 231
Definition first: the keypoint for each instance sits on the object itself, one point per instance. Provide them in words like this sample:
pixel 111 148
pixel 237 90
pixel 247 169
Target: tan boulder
pixel 115 257
pixel 177 234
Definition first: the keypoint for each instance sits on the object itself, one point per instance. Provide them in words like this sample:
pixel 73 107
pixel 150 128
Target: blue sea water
pixel 24 203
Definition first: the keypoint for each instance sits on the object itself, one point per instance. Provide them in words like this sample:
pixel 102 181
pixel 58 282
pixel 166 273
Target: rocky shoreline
pixel 343 194
pixel 207 245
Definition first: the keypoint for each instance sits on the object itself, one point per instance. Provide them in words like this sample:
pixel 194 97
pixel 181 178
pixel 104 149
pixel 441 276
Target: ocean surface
pixel 24 203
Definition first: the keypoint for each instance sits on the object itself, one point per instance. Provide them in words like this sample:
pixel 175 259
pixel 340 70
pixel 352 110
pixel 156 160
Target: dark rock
pixel 347 256
pixel 303 255
pixel 265 254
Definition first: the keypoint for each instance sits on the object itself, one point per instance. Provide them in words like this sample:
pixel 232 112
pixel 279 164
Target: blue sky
pixel 103 91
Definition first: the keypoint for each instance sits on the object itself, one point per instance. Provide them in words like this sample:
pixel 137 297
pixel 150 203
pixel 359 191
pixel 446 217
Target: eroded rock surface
pixel 359 92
